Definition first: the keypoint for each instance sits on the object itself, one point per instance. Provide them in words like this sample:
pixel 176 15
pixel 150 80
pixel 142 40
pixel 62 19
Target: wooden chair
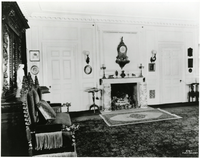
pixel 194 92
pixel 48 133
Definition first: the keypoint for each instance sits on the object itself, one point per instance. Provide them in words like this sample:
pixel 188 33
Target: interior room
pixel 100 79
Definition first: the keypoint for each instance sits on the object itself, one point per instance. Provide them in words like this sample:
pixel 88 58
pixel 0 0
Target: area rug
pixel 136 116
pixel 63 154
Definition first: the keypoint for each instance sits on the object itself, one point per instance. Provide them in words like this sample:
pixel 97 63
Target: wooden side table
pixel 93 91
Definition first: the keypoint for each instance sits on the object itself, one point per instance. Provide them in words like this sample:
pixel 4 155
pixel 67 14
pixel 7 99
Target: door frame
pixel 182 66
pixel 45 59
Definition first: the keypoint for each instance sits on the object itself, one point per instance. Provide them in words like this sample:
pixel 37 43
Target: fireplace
pixel 124 93
pixel 123 96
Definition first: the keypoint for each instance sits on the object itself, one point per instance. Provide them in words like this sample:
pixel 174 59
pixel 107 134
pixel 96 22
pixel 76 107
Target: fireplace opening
pixel 123 96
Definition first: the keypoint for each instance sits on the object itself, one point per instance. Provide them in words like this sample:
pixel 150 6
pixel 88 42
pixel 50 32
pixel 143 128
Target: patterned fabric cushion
pixel 46 110
pixel 33 99
pixel 63 118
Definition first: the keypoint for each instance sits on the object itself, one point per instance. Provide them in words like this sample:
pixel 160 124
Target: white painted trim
pixel 116 20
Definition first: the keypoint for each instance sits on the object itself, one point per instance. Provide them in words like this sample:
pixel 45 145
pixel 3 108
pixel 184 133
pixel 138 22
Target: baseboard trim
pixel 175 104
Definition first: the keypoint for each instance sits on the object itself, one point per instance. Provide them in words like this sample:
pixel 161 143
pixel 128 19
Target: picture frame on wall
pixel 34 55
pixel 152 67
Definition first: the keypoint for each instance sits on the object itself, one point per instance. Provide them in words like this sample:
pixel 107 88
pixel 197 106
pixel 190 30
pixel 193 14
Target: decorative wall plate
pixel 34 69
pixel 88 69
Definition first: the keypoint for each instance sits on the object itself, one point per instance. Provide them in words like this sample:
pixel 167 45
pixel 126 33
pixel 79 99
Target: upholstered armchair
pixel 48 133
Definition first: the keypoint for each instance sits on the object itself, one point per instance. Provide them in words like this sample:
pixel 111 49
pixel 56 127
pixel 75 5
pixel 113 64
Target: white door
pixel 171 74
pixel 61 74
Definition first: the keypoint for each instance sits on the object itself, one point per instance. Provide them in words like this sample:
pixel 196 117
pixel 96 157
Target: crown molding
pixel 116 20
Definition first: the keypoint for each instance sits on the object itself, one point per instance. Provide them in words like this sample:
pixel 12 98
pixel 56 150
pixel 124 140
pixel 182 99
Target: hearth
pixel 123 96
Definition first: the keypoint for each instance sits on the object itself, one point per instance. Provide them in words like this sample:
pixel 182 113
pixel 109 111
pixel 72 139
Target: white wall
pixel 100 36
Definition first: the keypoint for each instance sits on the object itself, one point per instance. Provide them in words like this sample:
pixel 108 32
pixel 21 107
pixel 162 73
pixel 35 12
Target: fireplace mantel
pixel 122 80
pixel 140 87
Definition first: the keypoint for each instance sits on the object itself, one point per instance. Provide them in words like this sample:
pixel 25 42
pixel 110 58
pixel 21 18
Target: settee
pixel 48 133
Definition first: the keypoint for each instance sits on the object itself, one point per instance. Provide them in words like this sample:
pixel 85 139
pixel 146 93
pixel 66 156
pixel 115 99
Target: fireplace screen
pixel 123 96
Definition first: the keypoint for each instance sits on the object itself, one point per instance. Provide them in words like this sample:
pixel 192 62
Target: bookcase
pixel 14 25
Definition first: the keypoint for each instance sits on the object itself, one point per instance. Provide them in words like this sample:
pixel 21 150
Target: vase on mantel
pixel 123 74
pixel 116 73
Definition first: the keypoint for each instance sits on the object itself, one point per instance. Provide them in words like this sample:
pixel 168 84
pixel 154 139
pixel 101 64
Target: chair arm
pixel 53 128
pixel 56 107
pixel 46 128
pixel 55 104
pixel 72 129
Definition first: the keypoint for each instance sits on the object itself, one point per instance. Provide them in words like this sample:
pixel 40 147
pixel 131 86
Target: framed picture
pixel 190 63
pixel 34 55
pixel 152 67
pixel 190 52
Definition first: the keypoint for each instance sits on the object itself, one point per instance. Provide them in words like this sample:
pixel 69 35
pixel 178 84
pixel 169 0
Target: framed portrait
pixel 152 67
pixel 34 55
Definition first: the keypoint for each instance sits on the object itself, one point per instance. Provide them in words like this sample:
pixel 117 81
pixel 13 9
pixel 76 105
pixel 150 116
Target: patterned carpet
pixel 171 138
pixel 136 116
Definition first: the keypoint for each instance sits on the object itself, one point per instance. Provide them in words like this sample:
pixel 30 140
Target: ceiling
pixel 181 10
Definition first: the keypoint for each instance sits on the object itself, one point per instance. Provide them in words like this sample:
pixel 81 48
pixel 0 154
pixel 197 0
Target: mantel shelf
pixel 122 80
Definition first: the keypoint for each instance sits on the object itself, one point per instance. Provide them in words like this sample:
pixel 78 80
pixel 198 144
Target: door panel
pixel 55 70
pixel 171 73
pixel 61 74
pixel 67 69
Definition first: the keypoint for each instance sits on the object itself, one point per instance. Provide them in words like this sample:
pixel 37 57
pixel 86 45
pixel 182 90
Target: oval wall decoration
pixel 88 69
pixel 34 69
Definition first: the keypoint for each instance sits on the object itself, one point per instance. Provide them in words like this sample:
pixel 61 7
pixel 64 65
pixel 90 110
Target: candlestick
pixel 141 67
pixel 103 67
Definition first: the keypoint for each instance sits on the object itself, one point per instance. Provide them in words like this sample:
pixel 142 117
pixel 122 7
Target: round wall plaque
pixel 34 69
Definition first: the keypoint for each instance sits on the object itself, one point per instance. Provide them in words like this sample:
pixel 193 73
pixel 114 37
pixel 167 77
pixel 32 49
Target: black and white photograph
pixel 34 55
pixel 110 78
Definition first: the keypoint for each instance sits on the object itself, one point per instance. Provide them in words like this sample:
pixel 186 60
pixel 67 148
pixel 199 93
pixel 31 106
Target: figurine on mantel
pixel 20 75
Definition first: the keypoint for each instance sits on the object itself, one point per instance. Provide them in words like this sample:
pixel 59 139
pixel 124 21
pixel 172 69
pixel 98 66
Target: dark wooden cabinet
pixel 13 136
pixel 14 25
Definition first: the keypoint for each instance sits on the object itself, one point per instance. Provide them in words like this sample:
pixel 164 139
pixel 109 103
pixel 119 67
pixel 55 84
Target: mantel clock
pixel 122 58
